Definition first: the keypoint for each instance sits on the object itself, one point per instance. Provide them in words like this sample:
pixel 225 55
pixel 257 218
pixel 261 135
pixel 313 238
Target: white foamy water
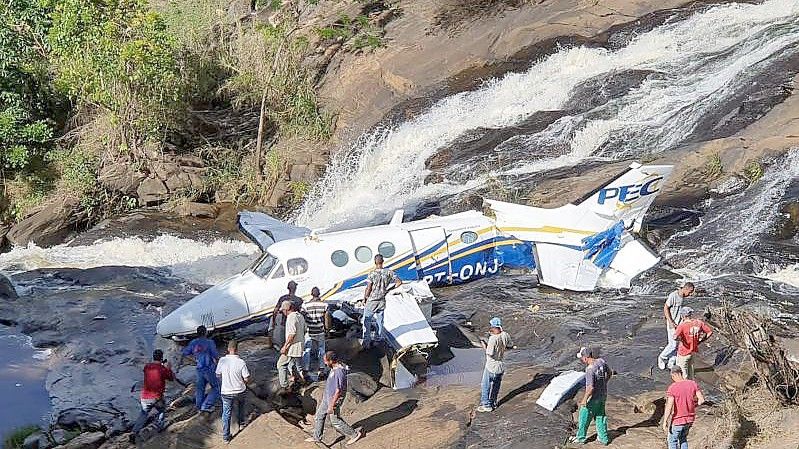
pixel 192 260
pixel 787 275
pixel 733 225
pixel 701 62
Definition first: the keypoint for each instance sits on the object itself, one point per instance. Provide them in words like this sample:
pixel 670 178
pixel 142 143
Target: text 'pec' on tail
pixel 627 196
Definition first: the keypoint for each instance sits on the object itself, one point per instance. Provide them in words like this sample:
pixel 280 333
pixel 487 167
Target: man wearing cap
pixel 671 312
pixel 498 342
pixel 278 319
pixel 682 398
pixel 592 404
pixel 290 361
pixel 689 334
pixel 378 283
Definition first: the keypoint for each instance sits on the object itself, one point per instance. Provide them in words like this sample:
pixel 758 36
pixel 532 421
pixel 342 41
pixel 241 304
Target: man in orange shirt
pixel 689 334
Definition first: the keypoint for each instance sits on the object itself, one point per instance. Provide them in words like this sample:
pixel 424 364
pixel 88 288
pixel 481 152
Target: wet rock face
pixel 48 226
pixel 101 324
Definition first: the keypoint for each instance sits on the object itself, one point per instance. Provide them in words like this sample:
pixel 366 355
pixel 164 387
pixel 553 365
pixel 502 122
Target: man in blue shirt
pixel 203 349
pixel 330 405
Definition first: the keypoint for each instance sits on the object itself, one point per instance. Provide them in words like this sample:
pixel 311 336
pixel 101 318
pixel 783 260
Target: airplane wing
pixel 265 230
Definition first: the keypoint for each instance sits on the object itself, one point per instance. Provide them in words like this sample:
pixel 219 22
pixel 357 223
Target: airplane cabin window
pixel 264 266
pixel 339 258
pixel 469 237
pixel 363 254
pixel 279 273
pixel 386 249
pixel 297 266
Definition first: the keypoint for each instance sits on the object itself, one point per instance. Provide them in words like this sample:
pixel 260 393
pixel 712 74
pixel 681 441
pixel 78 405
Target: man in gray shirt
pixel 592 404
pixel 330 405
pixel 498 342
pixel 378 283
pixel 671 312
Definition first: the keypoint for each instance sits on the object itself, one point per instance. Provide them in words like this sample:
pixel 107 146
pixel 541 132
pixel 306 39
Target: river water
pixel 646 93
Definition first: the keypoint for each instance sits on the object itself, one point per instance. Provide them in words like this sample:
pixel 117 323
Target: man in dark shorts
pixel 378 283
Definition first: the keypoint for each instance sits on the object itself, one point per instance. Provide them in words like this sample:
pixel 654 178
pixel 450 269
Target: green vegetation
pixel 359 33
pixel 753 172
pixel 15 439
pixel 713 168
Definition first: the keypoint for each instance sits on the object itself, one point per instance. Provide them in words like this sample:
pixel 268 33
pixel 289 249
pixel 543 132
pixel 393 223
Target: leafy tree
pixel 117 55
pixel 26 103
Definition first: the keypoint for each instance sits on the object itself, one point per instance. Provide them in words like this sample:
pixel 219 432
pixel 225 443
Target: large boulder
pixel 49 226
pixel 152 191
pixel 121 177
pixel 7 290
pixel 91 440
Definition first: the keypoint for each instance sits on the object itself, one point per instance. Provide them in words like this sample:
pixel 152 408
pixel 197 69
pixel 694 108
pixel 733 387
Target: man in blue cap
pixel 498 342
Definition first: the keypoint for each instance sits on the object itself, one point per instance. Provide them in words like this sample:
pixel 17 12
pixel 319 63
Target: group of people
pixel 299 330
pixel 685 333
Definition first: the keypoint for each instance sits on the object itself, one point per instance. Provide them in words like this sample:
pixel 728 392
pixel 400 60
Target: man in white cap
pixel 278 324
pixel 498 342
pixel 689 334
pixel 592 404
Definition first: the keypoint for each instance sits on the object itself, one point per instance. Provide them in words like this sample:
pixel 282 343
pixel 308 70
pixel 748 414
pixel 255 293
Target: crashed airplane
pixel 578 246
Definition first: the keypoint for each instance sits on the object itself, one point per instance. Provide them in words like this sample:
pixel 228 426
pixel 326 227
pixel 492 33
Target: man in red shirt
pixel 682 398
pixel 156 374
pixel 689 334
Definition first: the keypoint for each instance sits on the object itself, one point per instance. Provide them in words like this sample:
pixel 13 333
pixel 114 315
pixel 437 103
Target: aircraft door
pixel 432 255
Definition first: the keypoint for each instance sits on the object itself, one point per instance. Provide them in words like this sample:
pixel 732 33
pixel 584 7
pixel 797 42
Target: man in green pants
pixel 592 405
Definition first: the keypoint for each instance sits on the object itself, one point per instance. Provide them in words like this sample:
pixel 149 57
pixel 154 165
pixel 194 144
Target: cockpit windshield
pixel 264 265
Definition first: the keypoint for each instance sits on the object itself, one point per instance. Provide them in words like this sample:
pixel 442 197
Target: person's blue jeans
pixel 206 377
pixel 315 344
pixel 490 388
pixel 678 436
pixel 146 406
pixel 372 319
pixel 227 408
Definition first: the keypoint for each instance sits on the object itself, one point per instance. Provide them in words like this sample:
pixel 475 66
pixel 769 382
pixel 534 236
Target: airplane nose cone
pixel 176 323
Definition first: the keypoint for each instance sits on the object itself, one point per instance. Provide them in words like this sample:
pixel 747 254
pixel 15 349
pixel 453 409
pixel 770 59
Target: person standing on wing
pixel 203 349
pixel 682 398
pixel 498 342
pixel 592 404
pixel 671 312
pixel 234 375
pixel 377 285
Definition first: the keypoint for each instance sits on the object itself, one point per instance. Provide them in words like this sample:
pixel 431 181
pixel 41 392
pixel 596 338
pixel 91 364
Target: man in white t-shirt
pixel 671 312
pixel 495 347
pixel 234 375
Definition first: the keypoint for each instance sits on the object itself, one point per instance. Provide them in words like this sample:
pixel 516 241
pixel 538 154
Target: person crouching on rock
pixel 498 342
pixel 592 404
pixel 682 398
pixel 335 391
pixel 203 349
pixel 233 373
pixel 156 374
pixel 689 334
pixel 290 362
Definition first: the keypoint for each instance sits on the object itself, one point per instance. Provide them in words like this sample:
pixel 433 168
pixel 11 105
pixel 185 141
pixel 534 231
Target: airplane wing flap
pixel 565 268
pixel 264 230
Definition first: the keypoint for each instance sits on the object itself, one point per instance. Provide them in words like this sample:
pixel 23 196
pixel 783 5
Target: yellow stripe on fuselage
pixel 547 229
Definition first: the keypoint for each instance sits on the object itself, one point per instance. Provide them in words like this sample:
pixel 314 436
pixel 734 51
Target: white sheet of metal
pixel 559 387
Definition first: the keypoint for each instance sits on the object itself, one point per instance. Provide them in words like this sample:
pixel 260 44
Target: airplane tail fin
pixel 627 196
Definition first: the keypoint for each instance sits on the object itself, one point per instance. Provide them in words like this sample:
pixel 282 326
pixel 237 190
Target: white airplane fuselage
pixel 442 251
